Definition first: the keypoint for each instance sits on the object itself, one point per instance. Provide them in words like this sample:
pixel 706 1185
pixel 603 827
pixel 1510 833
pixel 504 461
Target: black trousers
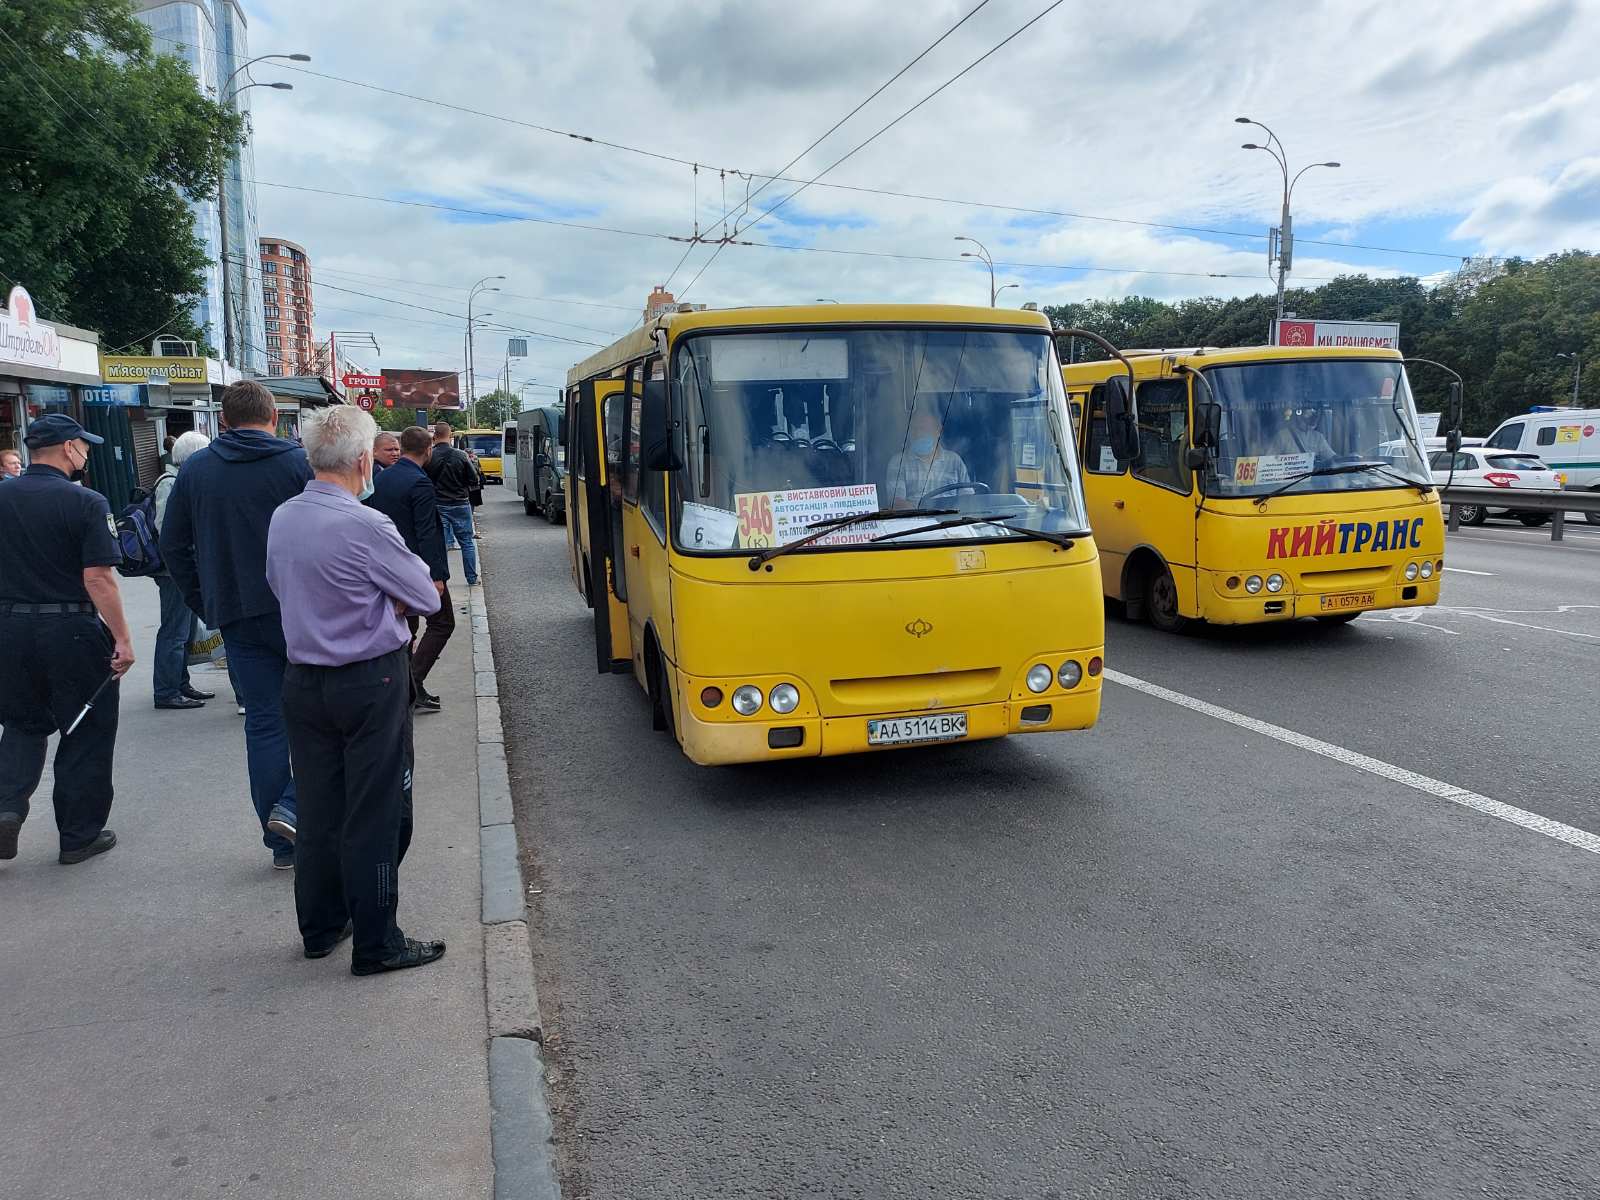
pixel 350 743
pixel 440 626
pixel 49 666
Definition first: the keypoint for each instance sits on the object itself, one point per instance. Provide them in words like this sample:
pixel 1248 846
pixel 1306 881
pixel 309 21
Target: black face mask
pixel 79 475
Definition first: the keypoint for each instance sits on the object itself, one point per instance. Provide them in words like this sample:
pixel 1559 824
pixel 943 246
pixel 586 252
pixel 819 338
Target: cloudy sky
pixel 1462 130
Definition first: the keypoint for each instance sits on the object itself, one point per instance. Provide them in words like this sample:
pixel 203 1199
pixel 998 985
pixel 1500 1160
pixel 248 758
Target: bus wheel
pixel 660 692
pixel 1161 602
pixel 549 511
pixel 527 505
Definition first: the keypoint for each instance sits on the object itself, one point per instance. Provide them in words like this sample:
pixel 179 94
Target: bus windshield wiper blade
pixel 1335 469
pixel 821 529
pixel 1055 539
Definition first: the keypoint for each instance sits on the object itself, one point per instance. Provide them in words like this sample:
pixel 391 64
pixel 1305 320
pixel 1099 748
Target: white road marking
pixel 1422 783
pixel 1407 616
pixel 1464 571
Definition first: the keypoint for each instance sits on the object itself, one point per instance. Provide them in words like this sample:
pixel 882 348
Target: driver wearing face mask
pixel 1299 434
pixel 924 468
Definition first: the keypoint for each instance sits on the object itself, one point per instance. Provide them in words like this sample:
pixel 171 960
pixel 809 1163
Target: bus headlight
pixel 1253 584
pixel 1411 571
pixel 1427 570
pixel 1070 674
pixel 1039 677
pixel 785 698
pixel 746 700
pixel 1274 583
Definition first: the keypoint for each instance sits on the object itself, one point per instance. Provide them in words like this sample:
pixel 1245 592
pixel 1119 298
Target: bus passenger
pixel 924 467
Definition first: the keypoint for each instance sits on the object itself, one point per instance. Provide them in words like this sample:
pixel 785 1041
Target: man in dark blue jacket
pixel 214 542
pixel 404 494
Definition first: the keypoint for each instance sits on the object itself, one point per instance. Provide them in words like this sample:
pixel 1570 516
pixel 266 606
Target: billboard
pixel 1373 335
pixel 422 389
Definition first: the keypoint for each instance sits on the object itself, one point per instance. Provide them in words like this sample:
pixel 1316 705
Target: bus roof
pixel 1093 372
pixel 639 342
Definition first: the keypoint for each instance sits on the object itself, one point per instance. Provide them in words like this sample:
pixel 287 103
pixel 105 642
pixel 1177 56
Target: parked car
pixel 1484 466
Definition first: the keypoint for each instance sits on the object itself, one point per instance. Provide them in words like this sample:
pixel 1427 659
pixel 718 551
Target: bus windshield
pixel 484 445
pixel 784 429
pixel 1331 425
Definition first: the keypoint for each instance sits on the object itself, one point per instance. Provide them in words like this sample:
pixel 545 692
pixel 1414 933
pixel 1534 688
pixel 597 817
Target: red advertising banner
pixel 353 379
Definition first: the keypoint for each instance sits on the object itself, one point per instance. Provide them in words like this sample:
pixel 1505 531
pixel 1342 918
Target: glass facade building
pixel 211 37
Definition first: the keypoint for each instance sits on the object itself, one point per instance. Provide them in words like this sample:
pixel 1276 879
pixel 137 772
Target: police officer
pixel 57 552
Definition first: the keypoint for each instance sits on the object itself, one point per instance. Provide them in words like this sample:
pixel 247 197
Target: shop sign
pixel 24 340
pixel 140 368
pixel 119 395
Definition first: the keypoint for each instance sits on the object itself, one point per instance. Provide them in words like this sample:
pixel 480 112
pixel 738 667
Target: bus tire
pixel 1161 602
pixel 660 690
pixel 528 507
pixel 548 510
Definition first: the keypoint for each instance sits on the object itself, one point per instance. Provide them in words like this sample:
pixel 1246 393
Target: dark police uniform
pixel 54 649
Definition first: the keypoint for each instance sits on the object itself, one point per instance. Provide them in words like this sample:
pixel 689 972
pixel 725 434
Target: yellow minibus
pixel 1263 484
pixel 823 529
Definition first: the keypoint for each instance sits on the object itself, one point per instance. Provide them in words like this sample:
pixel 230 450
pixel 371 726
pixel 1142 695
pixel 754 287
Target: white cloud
pixel 1127 115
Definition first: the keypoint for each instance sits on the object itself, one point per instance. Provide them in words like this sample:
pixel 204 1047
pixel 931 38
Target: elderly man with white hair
pixel 345 580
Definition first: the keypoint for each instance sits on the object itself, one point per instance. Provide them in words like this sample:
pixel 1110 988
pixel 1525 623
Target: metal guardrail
pixel 1557 503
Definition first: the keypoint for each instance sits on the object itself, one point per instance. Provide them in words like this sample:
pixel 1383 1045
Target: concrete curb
pixel 521 1131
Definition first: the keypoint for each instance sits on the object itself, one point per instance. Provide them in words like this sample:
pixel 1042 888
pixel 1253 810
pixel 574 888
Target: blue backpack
pixel 137 538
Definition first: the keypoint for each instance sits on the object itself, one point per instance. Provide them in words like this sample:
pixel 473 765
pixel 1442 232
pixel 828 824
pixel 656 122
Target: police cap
pixel 52 429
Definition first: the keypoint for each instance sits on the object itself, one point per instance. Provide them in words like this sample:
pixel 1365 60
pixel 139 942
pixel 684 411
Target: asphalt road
pixel 1170 957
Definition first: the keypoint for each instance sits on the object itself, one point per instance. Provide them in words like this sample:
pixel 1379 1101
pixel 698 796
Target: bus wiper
pixel 1343 469
pixel 821 529
pixel 1055 539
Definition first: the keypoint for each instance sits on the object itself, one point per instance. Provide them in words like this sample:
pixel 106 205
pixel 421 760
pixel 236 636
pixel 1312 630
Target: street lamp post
pixel 983 254
pixel 1577 373
pixel 228 97
pixel 1275 148
pixel 472 295
pixel 1003 287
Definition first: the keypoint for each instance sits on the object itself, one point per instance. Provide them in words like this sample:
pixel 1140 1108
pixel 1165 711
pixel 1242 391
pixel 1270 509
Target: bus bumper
pixel 715 743
pixel 1224 608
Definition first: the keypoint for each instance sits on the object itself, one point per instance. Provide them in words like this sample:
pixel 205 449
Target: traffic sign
pixel 367 401
pixel 353 380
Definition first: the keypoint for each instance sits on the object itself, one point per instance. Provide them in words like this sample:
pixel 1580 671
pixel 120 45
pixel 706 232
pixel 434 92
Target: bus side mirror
pixel 1453 408
pixel 1122 428
pixel 1452 440
pixel 1208 424
pixel 655 430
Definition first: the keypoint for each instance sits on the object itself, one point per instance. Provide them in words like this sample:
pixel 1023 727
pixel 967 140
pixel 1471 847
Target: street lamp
pixel 1003 287
pixel 227 98
pixel 1275 148
pixel 1577 373
pixel 983 253
pixel 477 288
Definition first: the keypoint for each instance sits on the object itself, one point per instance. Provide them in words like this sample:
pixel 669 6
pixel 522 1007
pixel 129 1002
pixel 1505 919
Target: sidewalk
pixel 161 1035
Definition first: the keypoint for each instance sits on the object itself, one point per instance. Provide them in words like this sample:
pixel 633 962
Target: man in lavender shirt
pixel 344 581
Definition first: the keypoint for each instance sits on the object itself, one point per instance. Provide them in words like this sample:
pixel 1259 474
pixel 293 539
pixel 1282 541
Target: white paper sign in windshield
pixel 706 528
pixel 746 357
pixel 780 517
pixel 1272 468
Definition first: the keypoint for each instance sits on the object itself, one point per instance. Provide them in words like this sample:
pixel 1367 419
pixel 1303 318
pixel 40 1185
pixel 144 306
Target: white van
pixel 1567 439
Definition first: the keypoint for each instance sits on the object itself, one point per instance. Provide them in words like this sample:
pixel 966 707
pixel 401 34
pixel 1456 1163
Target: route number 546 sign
pixel 755 519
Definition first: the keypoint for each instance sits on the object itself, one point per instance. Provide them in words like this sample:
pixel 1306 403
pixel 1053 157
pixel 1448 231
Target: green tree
pixel 103 142
pixel 493 410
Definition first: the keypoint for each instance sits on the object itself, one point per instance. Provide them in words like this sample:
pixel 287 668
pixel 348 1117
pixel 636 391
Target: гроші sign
pixel 1376 335
pixel 354 380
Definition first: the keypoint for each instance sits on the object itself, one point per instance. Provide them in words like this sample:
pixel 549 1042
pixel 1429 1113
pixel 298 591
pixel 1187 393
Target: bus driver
pixel 924 467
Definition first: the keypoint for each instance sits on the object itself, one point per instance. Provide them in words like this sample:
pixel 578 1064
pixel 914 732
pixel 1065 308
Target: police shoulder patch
pixel 111 524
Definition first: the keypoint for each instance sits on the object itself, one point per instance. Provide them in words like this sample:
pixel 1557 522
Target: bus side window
pixel 1097 455
pixel 1163 433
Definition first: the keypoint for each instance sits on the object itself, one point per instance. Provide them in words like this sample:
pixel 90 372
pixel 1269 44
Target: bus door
pixel 644 537
pixel 577 506
pixel 1149 502
pixel 508 456
pixel 606 585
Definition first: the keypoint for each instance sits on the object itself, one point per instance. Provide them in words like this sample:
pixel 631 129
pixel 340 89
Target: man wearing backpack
pixel 214 541
pixel 179 625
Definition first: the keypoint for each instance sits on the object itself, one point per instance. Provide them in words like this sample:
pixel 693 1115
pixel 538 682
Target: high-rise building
pixel 211 37
pixel 288 308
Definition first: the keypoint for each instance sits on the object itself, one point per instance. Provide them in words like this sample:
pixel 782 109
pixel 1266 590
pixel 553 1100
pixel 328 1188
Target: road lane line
pixel 1464 571
pixel 1352 758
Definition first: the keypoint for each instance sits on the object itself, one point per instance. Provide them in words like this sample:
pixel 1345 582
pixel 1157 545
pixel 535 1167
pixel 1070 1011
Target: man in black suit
pixel 405 495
